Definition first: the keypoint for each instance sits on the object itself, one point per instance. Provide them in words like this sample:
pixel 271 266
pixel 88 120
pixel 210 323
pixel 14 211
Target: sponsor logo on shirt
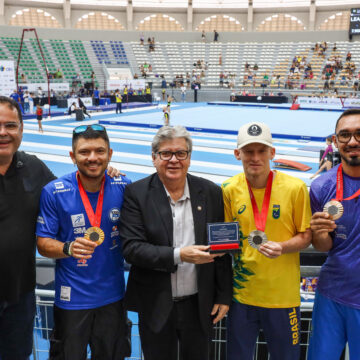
pixel 78 220
pixel 118 181
pixel 59 185
pixel 40 220
pixel 276 211
pixel 80 230
pixel 242 209
pixel 82 262
pixel 114 231
pixel 114 214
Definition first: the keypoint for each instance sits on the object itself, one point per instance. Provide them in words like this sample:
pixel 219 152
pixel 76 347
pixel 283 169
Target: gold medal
pixel 334 208
pixel 257 238
pixel 95 234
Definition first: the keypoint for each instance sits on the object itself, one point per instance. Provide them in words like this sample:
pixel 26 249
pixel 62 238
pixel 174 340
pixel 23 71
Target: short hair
pixel 90 133
pixel 347 113
pixel 13 105
pixel 166 133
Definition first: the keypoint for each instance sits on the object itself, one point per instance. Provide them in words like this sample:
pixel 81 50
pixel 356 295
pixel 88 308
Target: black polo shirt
pixel 20 190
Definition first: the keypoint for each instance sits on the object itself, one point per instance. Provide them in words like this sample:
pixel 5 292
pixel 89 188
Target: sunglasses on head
pixel 82 128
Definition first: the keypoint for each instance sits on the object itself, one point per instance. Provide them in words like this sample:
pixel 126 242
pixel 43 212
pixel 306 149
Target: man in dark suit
pixel 177 287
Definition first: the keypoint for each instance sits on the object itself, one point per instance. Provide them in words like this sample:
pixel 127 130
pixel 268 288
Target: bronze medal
pixel 334 208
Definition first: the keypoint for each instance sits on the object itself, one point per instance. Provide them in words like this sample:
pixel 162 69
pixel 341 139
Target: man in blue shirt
pixel 96 96
pixel 78 225
pixel 336 229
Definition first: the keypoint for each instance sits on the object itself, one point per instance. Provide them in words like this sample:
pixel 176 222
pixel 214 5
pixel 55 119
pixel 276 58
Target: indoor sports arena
pixel 212 66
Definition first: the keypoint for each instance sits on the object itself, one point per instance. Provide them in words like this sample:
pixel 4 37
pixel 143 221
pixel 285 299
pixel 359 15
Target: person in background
pixel 39 117
pixel 326 161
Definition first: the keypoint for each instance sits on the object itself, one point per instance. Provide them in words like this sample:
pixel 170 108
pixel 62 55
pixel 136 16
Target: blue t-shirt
pixel 96 94
pixel 79 283
pixel 16 97
pixel 339 277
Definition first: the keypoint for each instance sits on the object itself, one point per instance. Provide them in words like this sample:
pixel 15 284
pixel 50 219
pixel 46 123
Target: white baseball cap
pixel 254 132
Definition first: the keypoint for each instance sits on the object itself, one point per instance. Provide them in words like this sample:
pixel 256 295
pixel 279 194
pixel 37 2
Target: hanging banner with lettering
pixel 7 77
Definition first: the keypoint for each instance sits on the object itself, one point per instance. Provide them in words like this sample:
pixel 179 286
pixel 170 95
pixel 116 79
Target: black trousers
pixel 118 107
pixel 182 334
pixel 16 328
pixel 103 329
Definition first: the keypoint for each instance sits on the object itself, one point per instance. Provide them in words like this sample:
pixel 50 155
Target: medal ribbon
pixel 260 218
pixel 94 218
pixel 340 187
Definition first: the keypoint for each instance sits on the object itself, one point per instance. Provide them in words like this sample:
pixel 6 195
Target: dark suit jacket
pixel 147 234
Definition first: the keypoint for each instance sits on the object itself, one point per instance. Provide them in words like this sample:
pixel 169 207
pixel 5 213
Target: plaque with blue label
pixel 223 237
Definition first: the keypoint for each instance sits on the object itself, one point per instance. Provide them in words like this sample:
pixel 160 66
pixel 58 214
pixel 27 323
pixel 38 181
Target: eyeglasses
pixel 167 155
pixel 345 136
pixel 82 128
pixel 10 127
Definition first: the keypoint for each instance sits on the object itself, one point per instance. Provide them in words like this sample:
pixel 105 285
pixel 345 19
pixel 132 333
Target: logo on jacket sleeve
pixel 276 211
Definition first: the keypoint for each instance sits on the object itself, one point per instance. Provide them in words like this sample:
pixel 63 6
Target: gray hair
pixel 166 133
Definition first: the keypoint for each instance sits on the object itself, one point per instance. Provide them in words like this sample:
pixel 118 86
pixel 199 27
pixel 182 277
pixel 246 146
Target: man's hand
pixel 322 224
pixel 197 254
pixel 271 249
pixel 113 173
pixel 82 248
pixel 221 311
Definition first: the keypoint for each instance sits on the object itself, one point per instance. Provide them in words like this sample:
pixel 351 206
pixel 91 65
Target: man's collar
pixel 185 195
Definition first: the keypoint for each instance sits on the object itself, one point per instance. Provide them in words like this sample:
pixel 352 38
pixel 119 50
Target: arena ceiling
pixel 197 4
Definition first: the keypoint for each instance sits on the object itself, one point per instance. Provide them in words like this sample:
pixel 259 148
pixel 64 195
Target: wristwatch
pixel 67 247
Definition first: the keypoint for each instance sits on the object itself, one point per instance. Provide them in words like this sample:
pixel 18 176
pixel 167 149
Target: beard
pixel 352 160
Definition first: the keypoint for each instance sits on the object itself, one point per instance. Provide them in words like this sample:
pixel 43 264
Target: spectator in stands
pixel 348 56
pixel 326 84
pixel 334 47
pixel 247 66
pixel 326 161
pixel 216 36
pixel 220 59
pixel 203 36
pixel 142 39
pixel 171 311
pixel 96 97
pixel 23 177
pixel 256 67
pixel 266 263
pixel 23 79
pixel 221 79
pixel 59 74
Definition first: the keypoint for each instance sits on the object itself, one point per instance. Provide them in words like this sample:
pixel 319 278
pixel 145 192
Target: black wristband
pixel 66 248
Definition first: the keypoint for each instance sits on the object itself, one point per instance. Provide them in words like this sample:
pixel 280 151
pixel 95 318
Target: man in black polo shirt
pixel 22 178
